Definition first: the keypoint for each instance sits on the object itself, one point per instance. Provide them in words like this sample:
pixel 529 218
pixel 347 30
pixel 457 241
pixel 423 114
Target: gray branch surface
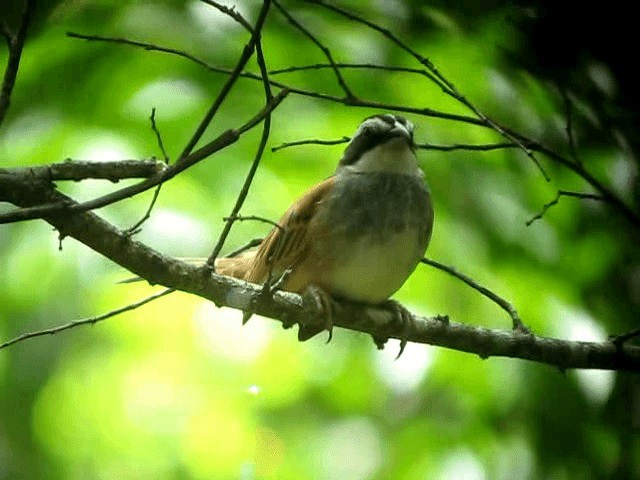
pixel 99 235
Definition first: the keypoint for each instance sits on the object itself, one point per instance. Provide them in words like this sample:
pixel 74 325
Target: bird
pixel 355 236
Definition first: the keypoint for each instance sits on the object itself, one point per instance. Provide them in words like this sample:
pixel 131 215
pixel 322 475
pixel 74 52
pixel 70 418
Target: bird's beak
pixel 399 131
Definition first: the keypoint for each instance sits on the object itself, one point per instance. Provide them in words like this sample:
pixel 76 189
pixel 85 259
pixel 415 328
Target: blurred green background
pixel 179 390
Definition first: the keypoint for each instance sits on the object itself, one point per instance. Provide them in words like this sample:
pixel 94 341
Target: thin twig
pixel 420 146
pixel 135 229
pixel 440 80
pixel 505 305
pixel 156 131
pixel 327 53
pixel 247 53
pixel 266 130
pixel 484 147
pixel 357 66
pixel 6 32
pixel 444 84
pixel 231 12
pixel 224 140
pixel 85 321
pixel 243 218
pixel 619 340
pixel 249 245
pixel 611 198
pixel 314 141
pixel 568 108
pixel 15 43
pixel 563 193
pixel 427 112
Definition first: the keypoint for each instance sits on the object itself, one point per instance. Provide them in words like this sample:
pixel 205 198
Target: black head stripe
pixel 374 131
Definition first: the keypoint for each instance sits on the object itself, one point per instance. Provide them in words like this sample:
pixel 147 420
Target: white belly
pixel 371 272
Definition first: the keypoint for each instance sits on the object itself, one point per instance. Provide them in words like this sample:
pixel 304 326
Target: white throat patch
pixel 394 156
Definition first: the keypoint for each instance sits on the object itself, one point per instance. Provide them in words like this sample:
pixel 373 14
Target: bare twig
pixel 135 229
pixel 224 140
pixel 619 340
pixel 440 80
pixel 85 321
pixel 484 147
pixel 506 306
pixel 314 141
pixel 327 53
pixel 421 146
pixel 156 131
pixel 436 76
pixel 15 43
pixel 427 112
pixel 76 171
pixel 6 32
pixel 357 66
pixel 249 245
pixel 242 195
pixel 247 53
pixel 563 193
pixel 243 218
pixel 231 12
pixel 568 109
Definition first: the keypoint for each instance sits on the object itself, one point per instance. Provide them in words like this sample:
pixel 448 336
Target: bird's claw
pixel 401 316
pixel 323 306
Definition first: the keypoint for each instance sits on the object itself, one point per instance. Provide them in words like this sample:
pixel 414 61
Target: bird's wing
pixel 289 245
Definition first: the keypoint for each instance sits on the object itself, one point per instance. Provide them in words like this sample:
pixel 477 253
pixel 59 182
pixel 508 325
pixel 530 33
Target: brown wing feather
pixel 289 246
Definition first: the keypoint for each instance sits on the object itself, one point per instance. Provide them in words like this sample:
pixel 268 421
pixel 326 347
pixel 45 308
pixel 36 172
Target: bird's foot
pixel 401 317
pixel 321 303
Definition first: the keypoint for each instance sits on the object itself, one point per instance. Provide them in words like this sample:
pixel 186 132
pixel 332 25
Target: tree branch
pixel 85 321
pixel 327 53
pixel 563 193
pixel 247 52
pixel 506 306
pixel 15 43
pixel 266 131
pixel 104 238
pixel 136 228
pixel 224 140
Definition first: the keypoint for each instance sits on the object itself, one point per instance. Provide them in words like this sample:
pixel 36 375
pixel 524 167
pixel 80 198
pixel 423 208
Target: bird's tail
pixel 236 267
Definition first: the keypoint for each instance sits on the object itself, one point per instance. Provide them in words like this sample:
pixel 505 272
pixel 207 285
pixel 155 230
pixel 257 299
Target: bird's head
pixel 382 143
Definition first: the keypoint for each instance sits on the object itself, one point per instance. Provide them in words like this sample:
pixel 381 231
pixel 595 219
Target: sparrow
pixel 356 236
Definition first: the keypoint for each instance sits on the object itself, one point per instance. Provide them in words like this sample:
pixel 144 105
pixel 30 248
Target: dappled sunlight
pixel 351 448
pixel 224 334
pixel 182 234
pixel 462 464
pixel 578 325
pixel 171 97
pixel 26 134
pixel 407 372
pixel 103 145
pixel 217 440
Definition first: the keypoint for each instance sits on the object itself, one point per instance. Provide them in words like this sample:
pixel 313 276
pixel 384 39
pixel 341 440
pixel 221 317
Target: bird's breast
pixel 377 228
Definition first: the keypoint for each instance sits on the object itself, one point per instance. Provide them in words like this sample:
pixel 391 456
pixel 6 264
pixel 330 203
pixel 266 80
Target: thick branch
pixel 94 232
pixel 76 170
